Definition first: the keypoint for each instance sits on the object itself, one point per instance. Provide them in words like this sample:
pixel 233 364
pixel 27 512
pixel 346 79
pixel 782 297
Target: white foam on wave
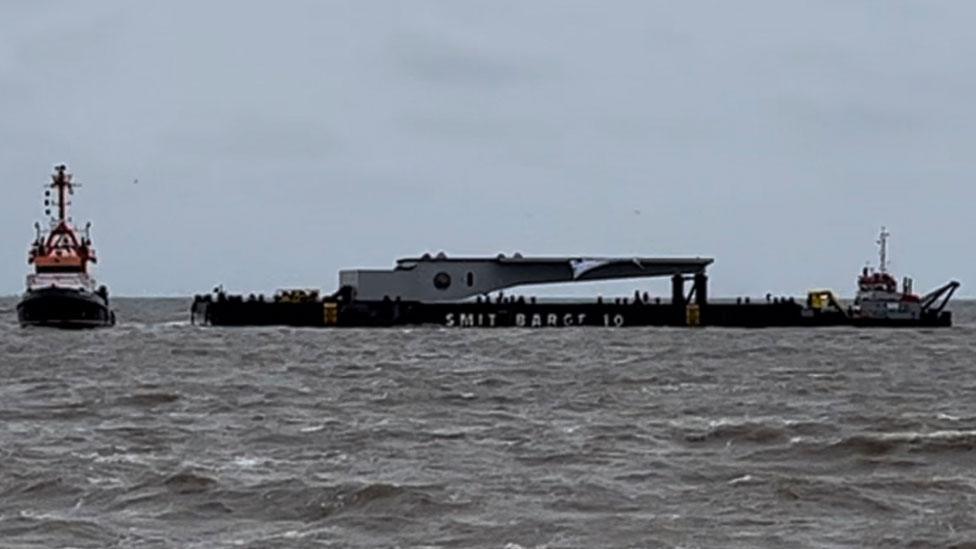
pixel 744 479
pixel 247 462
pixel 910 436
pixel 122 458
pixel 105 482
pixel 898 437
pixel 31 514
pixel 175 324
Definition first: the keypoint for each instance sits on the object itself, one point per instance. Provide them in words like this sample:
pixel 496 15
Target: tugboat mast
pixel 62 182
pixel 883 242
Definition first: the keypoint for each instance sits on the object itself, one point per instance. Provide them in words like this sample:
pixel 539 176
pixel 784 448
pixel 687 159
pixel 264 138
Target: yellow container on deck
pixel 693 315
pixel 331 312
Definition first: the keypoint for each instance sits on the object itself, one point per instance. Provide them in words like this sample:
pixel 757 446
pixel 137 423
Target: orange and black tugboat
pixel 61 293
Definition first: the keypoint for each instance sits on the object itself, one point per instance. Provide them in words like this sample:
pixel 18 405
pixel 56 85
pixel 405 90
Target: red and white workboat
pixel 879 299
pixel 61 293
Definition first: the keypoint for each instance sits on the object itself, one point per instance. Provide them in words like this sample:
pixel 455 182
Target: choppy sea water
pixel 161 434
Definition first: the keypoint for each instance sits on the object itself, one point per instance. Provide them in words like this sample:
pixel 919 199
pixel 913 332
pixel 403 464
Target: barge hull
pixel 369 314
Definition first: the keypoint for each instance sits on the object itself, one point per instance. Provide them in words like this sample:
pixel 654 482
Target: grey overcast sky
pixel 276 142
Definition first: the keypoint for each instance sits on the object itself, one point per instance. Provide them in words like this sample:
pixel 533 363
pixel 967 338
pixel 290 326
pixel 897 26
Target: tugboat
pixel 61 293
pixel 879 301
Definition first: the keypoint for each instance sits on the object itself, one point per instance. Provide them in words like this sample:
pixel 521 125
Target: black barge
pixel 469 293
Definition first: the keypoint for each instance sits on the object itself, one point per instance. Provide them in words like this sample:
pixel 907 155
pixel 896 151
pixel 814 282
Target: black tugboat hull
pixel 64 308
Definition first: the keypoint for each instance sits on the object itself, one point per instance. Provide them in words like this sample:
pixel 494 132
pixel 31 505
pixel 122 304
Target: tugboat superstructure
pixel 61 292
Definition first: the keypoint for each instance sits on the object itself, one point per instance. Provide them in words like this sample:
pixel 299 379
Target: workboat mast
pixel 883 250
pixel 881 282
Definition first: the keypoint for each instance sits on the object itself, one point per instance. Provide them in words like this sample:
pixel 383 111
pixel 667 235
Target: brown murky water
pixel 161 434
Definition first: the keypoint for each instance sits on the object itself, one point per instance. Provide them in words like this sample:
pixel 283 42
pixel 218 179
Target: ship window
pixel 442 281
pixel 470 279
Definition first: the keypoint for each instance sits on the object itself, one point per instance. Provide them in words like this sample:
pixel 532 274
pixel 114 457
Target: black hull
pixel 64 308
pixel 358 314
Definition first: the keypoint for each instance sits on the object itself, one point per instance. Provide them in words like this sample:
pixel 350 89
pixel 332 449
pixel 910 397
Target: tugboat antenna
pixel 883 242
